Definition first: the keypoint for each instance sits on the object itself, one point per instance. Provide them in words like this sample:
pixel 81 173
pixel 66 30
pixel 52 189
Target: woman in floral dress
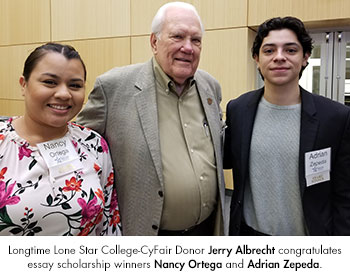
pixel 56 178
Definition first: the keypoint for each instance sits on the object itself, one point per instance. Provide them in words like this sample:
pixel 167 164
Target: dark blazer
pixel 324 123
pixel 123 108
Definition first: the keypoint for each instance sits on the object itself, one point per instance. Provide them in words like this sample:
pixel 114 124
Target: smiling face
pixel 281 58
pixel 54 92
pixel 178 48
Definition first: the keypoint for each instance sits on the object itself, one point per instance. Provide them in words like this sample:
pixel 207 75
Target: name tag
pixel 60 156
pixel 317 166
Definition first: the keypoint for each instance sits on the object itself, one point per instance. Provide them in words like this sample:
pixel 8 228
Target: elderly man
pixel 164 126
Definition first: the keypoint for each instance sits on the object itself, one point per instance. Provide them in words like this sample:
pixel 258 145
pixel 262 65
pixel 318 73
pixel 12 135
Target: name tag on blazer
pixel 317 166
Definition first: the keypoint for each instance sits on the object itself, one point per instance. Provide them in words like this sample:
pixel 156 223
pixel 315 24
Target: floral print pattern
pixel 83 202
pixel 24 151
pixel 72 185
pixel 5 195
pixel 104 146
pixel 2 172
pixel 89 210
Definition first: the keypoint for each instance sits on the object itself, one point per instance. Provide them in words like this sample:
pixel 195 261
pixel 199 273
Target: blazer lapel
pixel 247 127
pixel 211 111
pixel 308 132
pixel 146 103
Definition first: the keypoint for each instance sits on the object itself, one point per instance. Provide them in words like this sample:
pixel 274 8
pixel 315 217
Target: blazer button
pixel 161 193
pixel 154 227
pixel 239 203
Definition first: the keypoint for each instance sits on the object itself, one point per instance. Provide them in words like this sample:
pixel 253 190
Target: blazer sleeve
pixel 341 185
pixel 95 111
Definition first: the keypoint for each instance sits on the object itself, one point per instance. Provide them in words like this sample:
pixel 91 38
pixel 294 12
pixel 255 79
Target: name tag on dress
pixel 60 156
pixel 317 166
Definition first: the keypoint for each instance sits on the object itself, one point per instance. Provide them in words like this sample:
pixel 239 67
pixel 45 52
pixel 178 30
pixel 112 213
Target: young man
pixel 289 149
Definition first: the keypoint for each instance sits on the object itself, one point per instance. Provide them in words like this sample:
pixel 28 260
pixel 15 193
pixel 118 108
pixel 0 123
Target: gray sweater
pixel 272 201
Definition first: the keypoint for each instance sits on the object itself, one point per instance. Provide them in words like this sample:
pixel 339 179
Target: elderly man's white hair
pixel 159 18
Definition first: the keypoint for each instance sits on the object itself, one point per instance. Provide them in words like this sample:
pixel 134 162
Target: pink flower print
pixel 114 201
pixel 104 145
pixel 75 144
pixel 5 195
pixel 24 151
pixel 89 210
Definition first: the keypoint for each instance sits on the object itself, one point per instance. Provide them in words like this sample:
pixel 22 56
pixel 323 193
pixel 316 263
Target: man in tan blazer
pixel 164 126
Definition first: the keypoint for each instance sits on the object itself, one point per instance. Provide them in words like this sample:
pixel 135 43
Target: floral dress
pixel 82 202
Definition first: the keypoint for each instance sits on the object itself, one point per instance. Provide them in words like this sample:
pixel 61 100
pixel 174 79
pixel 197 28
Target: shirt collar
pixel 165 81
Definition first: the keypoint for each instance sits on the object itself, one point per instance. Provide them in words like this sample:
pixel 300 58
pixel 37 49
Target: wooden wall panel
pixel 11 67
pixel 315 13
pixel 11 108
pixel 226 55
pixel 23 22
pixel 222 13
pixel 214 13
pixel 101 55
pixel 98 55
pixel 142 13
pixel 140 49
pixel 84 19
